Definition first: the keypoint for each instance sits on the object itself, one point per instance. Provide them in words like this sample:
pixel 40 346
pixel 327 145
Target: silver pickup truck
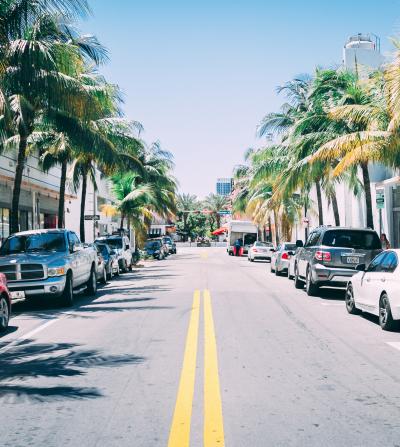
pixel 50 263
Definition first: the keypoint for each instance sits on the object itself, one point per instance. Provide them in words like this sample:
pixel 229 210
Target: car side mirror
pixel 299 244
pixel 74 248
pixel 290 253
pixel 127 247
pixel 113 252
pixel 361 267
pixel 273 249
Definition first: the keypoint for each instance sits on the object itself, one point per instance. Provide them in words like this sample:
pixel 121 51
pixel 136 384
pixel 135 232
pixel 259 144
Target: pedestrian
pixel 385 242
pixel 237 247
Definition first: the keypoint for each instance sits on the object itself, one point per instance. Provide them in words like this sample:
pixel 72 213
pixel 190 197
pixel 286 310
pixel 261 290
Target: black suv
pixel 331 254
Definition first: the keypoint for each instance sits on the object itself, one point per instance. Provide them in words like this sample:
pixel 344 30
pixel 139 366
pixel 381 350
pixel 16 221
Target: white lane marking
pixel 394 344
pixel 29 334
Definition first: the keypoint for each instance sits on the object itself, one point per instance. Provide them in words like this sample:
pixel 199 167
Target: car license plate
pixel 17 295
pixel 353 260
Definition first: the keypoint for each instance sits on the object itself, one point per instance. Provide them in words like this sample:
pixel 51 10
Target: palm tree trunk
pixel 367 191
pixel 319 200
pixel 276 228
pixel 83 202
pixel 218 217
pixel 122 221
pixel 19 171
pixel 335 210
pixel 61 202
pixel 185 216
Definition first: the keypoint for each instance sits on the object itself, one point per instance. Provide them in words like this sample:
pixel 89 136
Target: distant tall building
pixel 362 53
pixel 224 186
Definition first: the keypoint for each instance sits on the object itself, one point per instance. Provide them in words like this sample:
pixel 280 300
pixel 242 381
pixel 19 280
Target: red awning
pixel 219 231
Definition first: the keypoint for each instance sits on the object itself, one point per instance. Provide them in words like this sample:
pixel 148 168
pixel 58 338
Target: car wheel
pixel 104 277
pixel 277 272
pixel 298 283
pixel 110 274
pixel 4 313
pixel 385 314
pixel 67 297
pixel 91 286
pixel 289 275
pixel 311 287
pixel 251 259
pixel 350 303
pixel 272 269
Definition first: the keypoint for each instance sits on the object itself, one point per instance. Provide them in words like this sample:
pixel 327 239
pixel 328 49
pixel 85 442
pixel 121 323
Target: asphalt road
pixel 204 346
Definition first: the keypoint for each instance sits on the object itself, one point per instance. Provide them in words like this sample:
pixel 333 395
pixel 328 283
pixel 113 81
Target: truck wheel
pixel 4 313
pixel 91 286
pixel 67 297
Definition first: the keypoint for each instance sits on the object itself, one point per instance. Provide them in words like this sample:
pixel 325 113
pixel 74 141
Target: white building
pixel 39 194
pixel 95 199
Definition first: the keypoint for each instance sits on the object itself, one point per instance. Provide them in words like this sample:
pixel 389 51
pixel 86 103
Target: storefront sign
pixel 380 199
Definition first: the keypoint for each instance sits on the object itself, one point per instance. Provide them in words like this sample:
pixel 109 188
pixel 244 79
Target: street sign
pixel 380 200
pixel 224 212
pixel 91 217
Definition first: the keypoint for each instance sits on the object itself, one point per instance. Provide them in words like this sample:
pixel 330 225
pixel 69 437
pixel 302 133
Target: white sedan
pixel 376 289
pixel 260 250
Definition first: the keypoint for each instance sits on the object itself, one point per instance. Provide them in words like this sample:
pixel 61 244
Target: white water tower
pixel 361 53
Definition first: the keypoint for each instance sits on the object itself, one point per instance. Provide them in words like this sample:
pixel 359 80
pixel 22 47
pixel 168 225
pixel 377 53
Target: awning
pixel 219 231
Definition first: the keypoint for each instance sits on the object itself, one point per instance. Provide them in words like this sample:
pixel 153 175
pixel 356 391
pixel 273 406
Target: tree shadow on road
pixel 26 361
pixel 330 294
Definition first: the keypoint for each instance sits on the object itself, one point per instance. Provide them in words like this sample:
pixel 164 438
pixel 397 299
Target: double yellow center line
pixel 213 420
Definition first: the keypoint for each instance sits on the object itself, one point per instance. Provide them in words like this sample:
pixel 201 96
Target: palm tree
pixel 34 83
pixel 186 203
pixel 214 203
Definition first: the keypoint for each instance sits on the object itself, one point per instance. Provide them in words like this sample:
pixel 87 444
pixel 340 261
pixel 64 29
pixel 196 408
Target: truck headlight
pixel 56 271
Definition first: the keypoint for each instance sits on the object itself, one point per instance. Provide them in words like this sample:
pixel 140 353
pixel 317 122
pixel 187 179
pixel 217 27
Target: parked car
pixel 122 247
pixel 280 257
pixel 50 263
pixel 5 303
pixel 331 254
pixel 110 259
pixel 101 271
pixel 260 250
pixel 203 242
pixel 171 245
pixel 292 259
pixel 376 289
pixel 156 249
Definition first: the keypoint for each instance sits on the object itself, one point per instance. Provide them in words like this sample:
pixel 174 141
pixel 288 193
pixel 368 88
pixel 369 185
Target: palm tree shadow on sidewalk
pixel 27 361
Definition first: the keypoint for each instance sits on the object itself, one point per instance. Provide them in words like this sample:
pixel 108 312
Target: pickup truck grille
pixel 24 272
pixel 10 271
pixel 32 271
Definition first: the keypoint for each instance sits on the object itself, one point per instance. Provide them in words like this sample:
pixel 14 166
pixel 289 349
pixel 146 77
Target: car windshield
pixel 151 245
pixel 102 249
pixel 115 242
pixel 29 243
pixel 263 244
pixel 365 240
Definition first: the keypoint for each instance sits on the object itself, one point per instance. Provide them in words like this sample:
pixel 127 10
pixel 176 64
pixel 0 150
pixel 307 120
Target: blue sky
pixel 200 75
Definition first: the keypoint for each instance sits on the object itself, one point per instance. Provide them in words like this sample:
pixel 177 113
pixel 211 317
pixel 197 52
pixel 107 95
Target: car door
pixel 73 241
pixel 371 284
pixel 306 253
pixel 388 281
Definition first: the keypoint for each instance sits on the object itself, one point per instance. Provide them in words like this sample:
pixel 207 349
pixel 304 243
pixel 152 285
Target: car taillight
pixel 285 255
pixel 323 256
pixel 3 279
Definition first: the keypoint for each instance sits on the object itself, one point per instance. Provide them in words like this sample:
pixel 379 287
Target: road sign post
pixel 380 204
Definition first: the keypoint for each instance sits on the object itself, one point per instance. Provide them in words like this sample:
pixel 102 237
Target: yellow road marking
pixel 213 420
pixel 180 428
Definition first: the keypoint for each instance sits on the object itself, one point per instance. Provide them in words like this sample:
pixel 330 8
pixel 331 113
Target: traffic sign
pixel 91 217
pixel 380 200
pixel 224 212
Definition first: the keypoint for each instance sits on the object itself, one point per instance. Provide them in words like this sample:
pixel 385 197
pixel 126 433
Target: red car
pixel 5 303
